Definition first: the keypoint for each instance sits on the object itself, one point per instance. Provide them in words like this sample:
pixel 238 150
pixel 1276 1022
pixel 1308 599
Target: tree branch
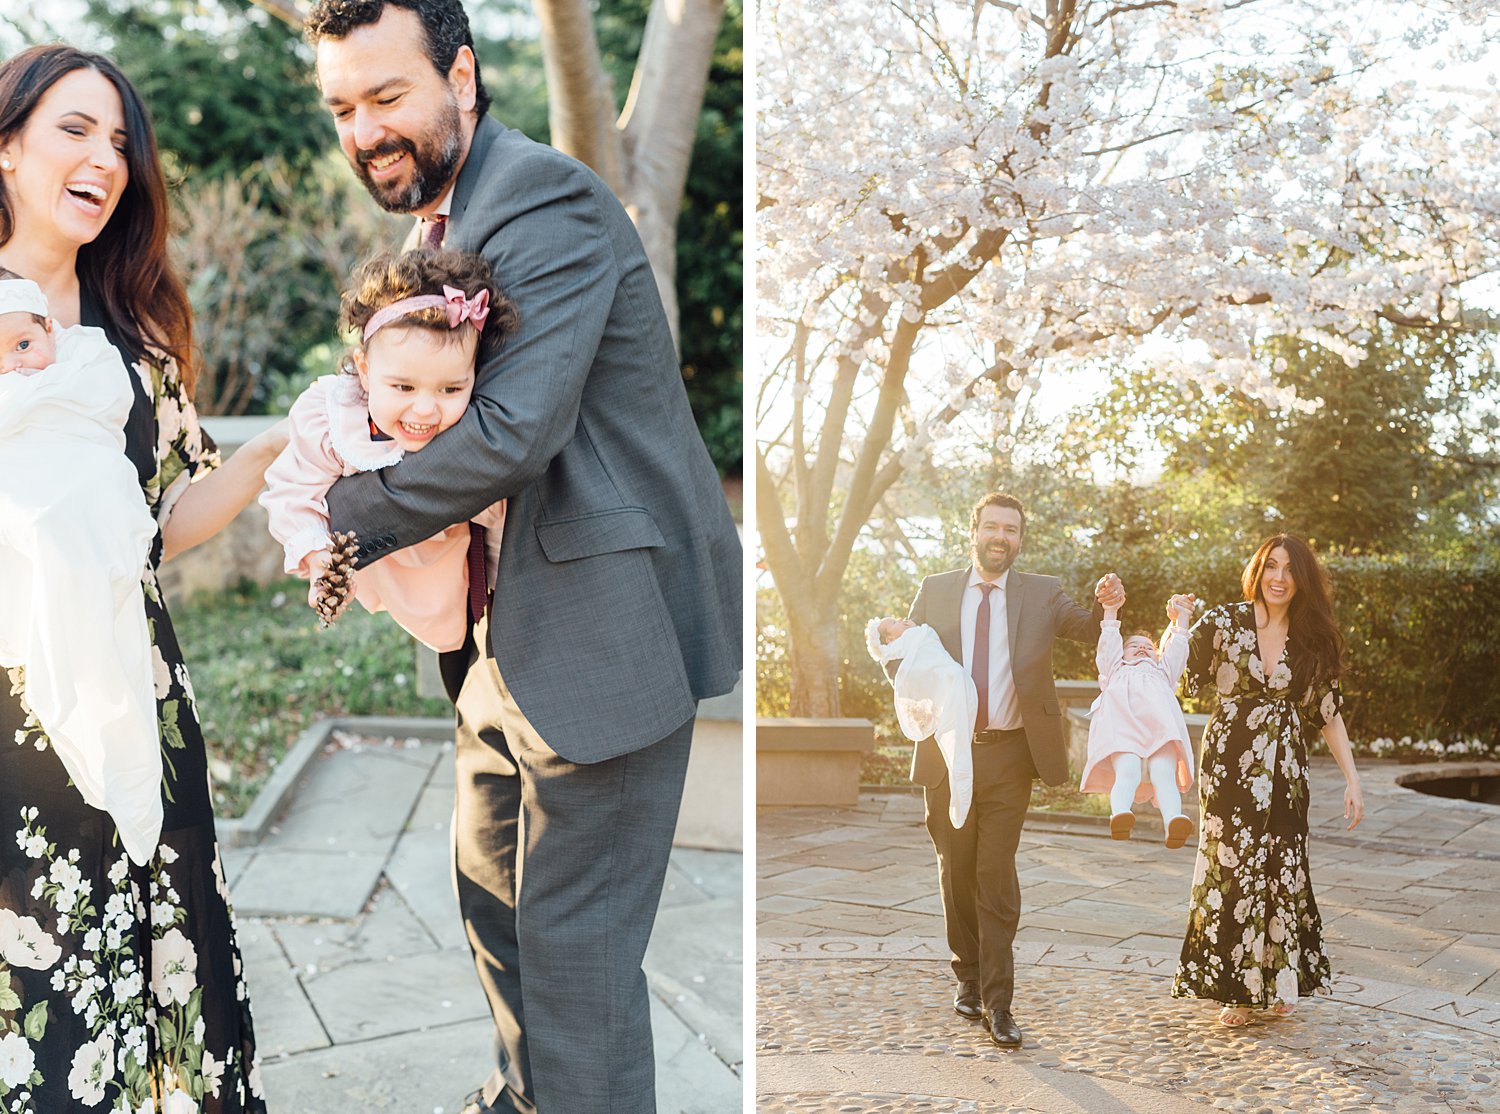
pixel 290 12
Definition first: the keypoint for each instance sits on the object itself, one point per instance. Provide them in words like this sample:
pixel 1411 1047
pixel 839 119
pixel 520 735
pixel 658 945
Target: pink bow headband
pixel 460 308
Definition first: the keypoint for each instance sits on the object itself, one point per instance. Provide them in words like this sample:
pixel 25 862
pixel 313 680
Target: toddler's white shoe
pixel 1178 830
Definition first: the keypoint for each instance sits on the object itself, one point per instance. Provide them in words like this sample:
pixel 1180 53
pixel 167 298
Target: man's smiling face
pixel 996 539
pixel 402 125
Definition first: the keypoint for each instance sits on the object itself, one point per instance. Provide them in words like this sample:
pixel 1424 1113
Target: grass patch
pixel 263 672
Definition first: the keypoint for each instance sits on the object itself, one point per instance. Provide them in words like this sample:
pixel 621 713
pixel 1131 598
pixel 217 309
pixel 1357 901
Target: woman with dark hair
pixel 120 983
pixel 1254 937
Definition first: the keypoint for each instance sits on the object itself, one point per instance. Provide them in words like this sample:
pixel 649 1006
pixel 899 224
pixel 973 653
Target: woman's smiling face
pixel 1276 584
pixel 67 163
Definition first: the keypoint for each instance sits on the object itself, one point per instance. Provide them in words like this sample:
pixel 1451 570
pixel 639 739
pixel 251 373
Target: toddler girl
pixel 1137 721
pixel 935 697
pixel 424 319
pixel 74 538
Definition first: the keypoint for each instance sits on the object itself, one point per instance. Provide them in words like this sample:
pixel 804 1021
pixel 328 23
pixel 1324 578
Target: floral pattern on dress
pixel 1254 936
pixel 121 986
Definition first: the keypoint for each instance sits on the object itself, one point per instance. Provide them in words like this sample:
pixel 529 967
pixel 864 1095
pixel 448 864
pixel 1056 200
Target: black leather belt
pixel 994 735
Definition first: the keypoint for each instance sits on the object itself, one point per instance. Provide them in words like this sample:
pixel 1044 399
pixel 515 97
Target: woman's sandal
pixel 1234 1016
pixel 1284 1009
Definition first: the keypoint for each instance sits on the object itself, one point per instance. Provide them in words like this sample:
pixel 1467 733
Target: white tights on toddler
pixel 1162 767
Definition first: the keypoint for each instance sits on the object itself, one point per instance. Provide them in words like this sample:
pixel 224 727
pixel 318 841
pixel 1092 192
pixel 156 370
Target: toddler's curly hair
pixel 389 277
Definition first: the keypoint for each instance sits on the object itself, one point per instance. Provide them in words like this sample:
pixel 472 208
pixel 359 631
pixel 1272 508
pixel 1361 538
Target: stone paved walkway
pixel 854 994
pixel 364 994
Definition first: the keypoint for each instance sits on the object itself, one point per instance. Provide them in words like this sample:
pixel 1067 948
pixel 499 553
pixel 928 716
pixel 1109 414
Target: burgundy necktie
pixel 478 588
pixel 432 231
pixel 981 667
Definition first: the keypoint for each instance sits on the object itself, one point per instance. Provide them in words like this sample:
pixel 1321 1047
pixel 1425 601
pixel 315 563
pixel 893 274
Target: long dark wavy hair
pixel 125 270
pixel 1310 624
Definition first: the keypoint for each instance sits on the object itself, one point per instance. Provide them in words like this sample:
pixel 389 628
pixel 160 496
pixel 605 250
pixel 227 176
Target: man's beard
pixel 433 165
pixel 993 563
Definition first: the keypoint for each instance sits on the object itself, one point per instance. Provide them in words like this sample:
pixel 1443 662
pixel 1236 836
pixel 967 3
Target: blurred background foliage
pixel 1393 478
pixel 272 220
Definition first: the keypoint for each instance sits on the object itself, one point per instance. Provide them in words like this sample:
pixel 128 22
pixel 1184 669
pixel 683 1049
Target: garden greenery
pixel 1421 635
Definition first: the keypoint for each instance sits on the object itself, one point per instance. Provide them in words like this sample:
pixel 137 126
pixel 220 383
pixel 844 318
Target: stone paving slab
pixel 413 1073
pixel 308 883
pixel 354 799
pixel 893 1084
pixel 383 997
pixel 885 1021
pixel 855 1015
pixel 420 870
pixel 387 929
pixel 372 1004
pixel 278 995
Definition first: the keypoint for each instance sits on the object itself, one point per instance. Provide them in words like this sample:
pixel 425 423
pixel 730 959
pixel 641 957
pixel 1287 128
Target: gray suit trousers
pixel 559 869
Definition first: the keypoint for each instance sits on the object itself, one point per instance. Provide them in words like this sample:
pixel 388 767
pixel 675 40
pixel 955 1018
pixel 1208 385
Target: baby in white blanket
pixel 935 698
pixel 75 534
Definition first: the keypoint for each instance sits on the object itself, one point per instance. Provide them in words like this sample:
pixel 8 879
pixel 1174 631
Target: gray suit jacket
pixel 617 604
pixel 1037 611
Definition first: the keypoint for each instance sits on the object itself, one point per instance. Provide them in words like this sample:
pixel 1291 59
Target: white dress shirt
pixel 1005 706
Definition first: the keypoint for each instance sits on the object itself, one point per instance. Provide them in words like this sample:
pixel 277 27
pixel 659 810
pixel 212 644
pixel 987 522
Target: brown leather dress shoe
pixel 1002 1028
pixel 966 1001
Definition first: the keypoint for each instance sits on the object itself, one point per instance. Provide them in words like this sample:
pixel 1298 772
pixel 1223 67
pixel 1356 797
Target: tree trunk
pixel 660 123
pixel 814 661
pixel 644 155
pixel 580 95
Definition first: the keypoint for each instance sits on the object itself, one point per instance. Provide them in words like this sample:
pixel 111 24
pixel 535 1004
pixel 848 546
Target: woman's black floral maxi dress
pixel 121 986
pixel 1254 936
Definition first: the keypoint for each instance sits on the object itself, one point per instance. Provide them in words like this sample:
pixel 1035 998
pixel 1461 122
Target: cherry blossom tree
pixel 958 199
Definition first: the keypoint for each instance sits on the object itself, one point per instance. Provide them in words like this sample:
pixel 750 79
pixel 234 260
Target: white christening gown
pixel 74 538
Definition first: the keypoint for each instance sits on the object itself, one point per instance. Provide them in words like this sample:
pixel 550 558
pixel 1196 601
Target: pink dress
pixel 424 586
pixel 1136 711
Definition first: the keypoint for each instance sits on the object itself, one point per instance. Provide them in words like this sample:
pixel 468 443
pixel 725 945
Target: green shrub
pixel 1422 636
pixel 263 672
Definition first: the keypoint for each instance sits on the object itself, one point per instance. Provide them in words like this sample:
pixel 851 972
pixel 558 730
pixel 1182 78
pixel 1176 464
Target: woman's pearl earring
pixel 5 164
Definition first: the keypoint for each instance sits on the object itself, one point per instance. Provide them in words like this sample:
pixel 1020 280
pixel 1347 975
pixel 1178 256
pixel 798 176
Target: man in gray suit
pixel 1000 625
pixel 616 583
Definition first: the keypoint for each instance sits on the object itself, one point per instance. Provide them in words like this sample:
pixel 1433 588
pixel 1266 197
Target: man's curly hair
pixel 388 277
pixel 444 23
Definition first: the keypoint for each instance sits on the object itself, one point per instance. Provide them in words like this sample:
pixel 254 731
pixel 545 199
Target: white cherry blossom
pixel 957 194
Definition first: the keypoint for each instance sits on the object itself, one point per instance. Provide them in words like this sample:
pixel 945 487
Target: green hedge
pixel 1422 659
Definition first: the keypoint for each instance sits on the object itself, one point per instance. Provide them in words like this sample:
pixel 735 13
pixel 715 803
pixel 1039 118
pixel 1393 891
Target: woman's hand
pixel 1336 735
pixel 1354 802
